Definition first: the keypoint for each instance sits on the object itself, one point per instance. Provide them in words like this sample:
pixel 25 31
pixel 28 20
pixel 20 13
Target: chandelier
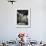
pixel 12 1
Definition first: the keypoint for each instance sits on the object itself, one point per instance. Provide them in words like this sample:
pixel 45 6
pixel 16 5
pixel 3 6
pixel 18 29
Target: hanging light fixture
pixel 12 1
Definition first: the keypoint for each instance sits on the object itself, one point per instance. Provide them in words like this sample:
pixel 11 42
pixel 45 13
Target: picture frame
pixel 23 17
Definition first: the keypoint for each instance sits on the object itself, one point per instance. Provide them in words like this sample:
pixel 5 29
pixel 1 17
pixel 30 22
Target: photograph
pixel 23 18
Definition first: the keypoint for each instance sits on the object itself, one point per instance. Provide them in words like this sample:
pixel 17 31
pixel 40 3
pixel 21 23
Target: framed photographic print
pixel 23 17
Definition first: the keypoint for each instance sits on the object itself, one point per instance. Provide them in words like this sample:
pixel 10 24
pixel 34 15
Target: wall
pixel 8 28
